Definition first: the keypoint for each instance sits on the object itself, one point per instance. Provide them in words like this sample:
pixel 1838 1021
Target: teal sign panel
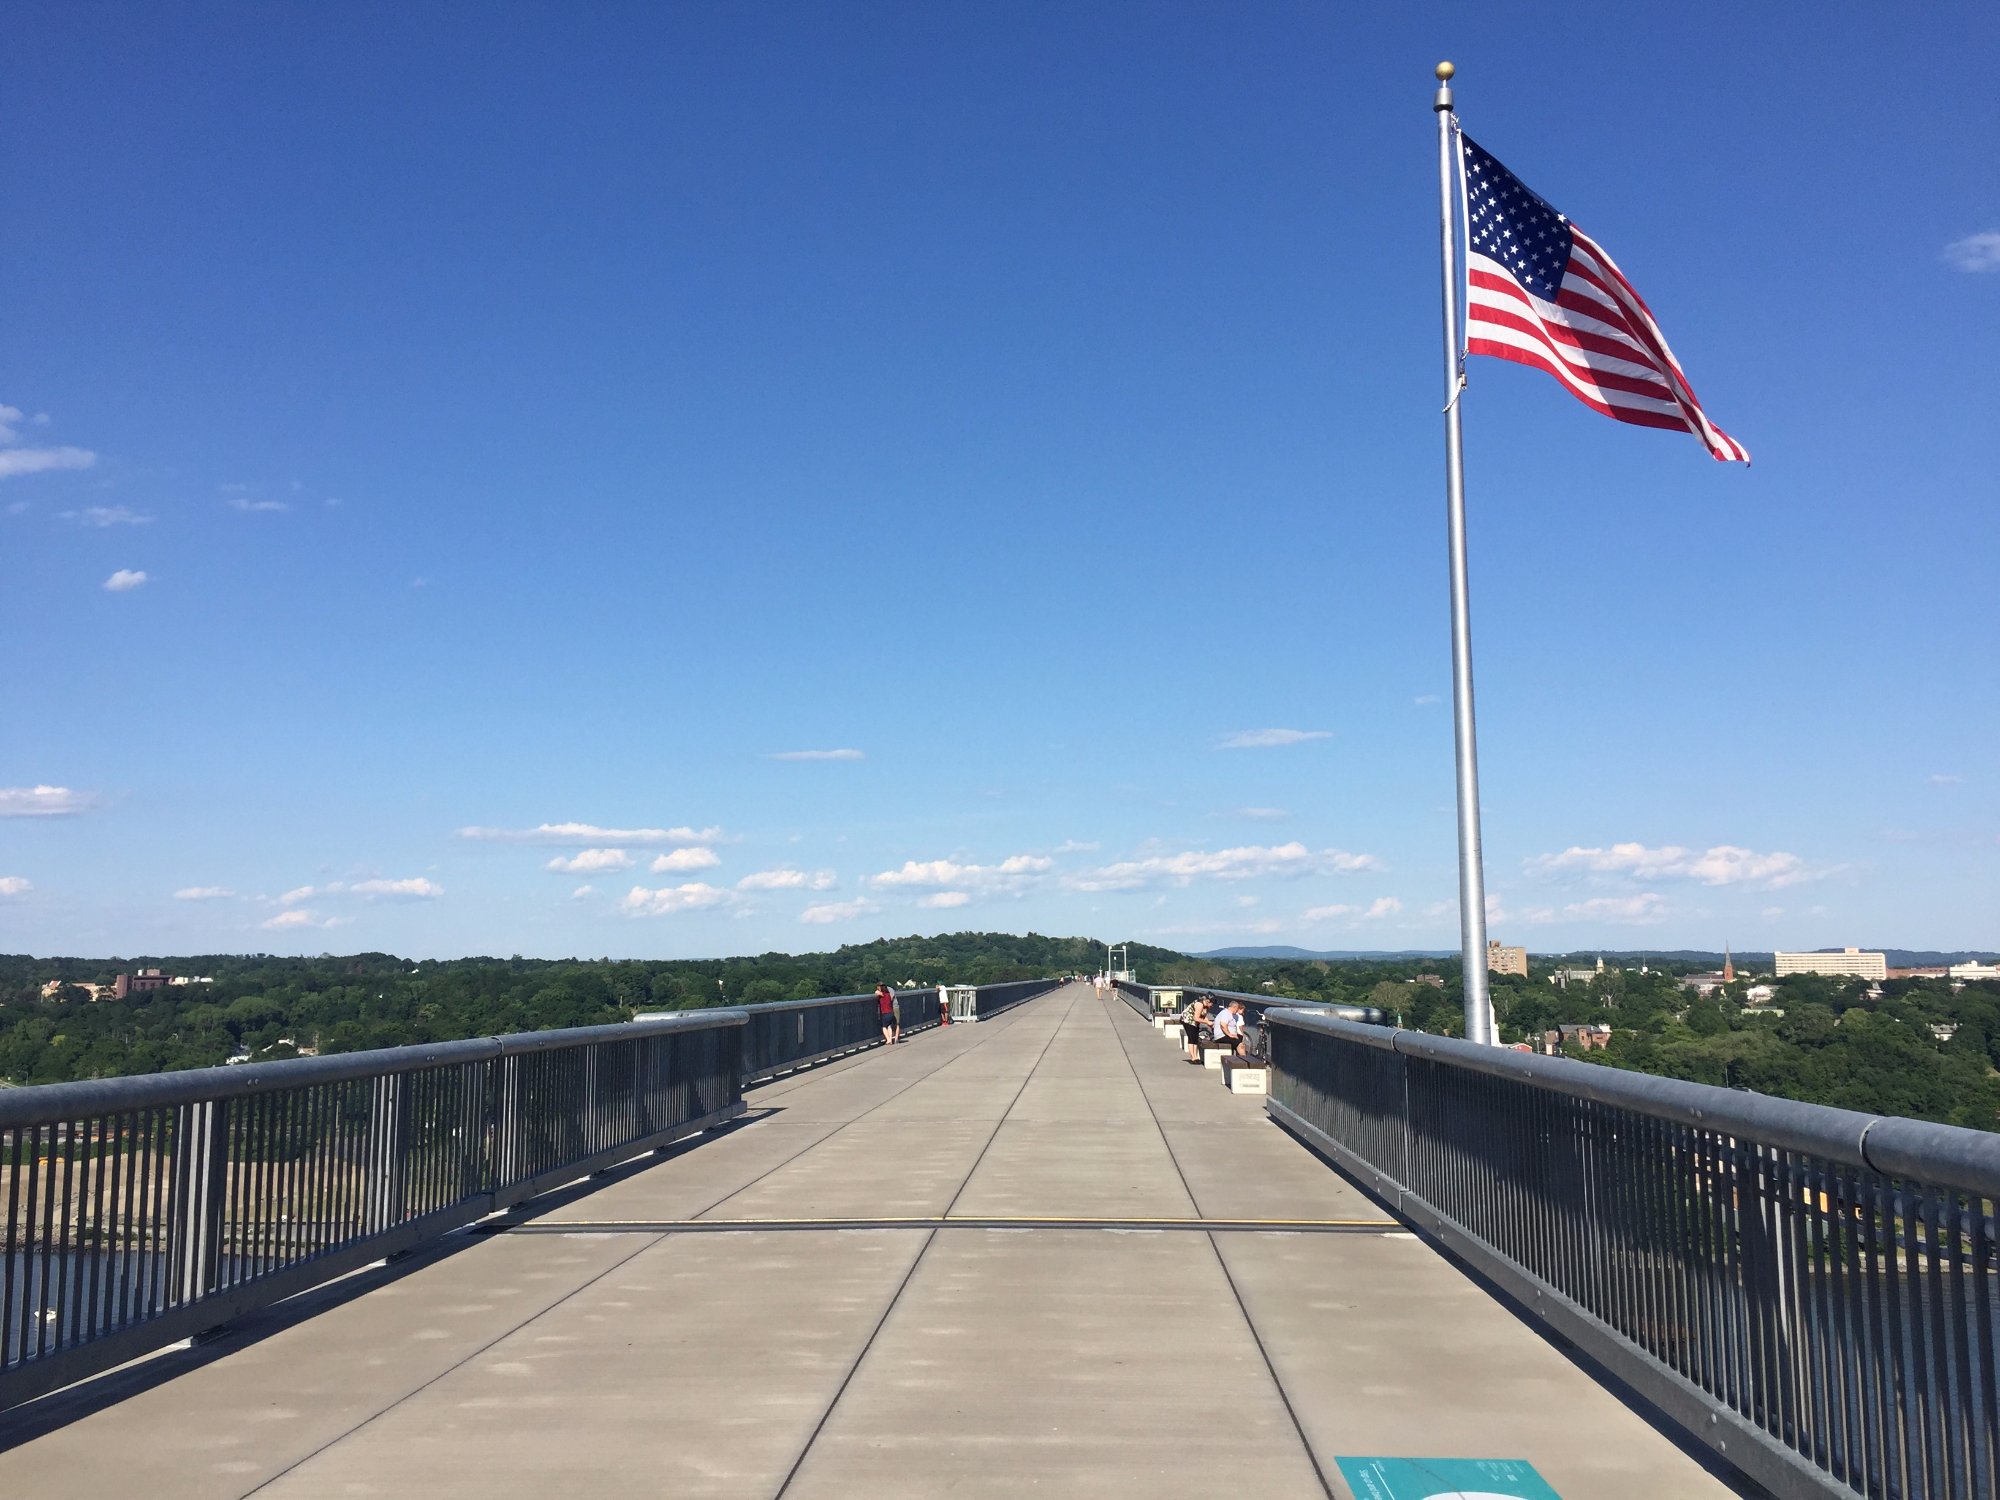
pixel 1444 1479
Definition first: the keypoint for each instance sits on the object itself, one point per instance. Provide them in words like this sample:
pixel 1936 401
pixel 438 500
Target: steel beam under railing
pixel 1812 1292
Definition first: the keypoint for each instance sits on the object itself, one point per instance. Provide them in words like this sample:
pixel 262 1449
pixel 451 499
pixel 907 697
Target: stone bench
pixel 1243 1075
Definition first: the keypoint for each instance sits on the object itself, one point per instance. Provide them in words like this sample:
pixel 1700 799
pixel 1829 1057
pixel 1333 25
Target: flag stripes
pixel 1542 293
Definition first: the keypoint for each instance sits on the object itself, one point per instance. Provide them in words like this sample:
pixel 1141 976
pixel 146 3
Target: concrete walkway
pixel 648 1339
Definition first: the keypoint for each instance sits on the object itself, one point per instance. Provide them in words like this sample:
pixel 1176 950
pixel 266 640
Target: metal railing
pixel 1812 1292
pixel 789 1034
pixel 139 1211
pixel 1138 996
pixel 1141 998
pixel 994 998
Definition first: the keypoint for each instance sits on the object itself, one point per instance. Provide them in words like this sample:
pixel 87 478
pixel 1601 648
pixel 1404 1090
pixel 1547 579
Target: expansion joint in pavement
pixel 930 1239
pixel 1222 1264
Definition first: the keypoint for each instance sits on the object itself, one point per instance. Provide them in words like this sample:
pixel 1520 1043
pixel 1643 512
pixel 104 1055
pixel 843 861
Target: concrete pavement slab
pixel 248 1413
pixel 1061 1363
pixel 698 1368
pixel 1385 1348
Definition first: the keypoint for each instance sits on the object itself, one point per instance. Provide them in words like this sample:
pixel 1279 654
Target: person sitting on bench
pixel 1229 1028
pixel 1195 1027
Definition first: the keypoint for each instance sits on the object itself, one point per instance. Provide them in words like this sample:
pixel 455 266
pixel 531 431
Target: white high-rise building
pixel 1848 961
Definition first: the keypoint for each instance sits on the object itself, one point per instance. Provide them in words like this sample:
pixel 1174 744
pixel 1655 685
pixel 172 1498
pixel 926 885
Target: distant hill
pixel 1284 952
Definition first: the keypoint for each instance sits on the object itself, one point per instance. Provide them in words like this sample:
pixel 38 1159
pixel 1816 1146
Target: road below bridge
pixel 1036 1255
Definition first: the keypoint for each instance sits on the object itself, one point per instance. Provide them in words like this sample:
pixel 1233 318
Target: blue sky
pixel 451 442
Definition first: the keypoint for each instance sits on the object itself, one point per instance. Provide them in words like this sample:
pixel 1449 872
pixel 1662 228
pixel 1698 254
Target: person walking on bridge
pixel 885 1010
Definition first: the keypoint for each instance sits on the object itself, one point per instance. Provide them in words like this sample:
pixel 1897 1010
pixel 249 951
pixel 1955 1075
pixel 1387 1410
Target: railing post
pixel 388 1131
pixel 201 1176
pixel 505 1152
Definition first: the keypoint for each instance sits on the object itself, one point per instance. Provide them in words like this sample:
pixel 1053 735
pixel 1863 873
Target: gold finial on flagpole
pixel 1445 73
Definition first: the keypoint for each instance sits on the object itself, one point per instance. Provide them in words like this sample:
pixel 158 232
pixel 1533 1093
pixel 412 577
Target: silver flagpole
pixel 1471 869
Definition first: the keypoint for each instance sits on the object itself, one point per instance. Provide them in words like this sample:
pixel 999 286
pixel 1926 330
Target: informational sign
pixel 1444 1479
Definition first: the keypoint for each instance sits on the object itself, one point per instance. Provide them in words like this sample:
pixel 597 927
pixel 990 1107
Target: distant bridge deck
pixel 1036 1255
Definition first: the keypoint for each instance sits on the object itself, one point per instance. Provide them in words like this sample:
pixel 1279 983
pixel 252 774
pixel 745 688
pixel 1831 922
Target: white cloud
pixel 1425 700
pixel 583 892
pixel 1015 873
pixel 297 917
pixel 15 885
pixel 590 833
pixel 253 507
pixel 203 893
pixel 1944 778
pixel 1382 906
pixel 9 415
pixel 1078 846
pixel 101 516
pixel 1772 913
pixel 943 900
pixel 1264 739
pixel 299 893
pixel 1249 862
pixel 1634 911
pixel 1262 814
pixel 591 861
pixel 1976 252
pixel 125 579
pixel 838 911
pixel 18 507
pixel 42 802
pixel 787 879
pixel 1725 864
pixel 416 888
pixel 817 755
pixel 679 861
pixel 15 461
pixel 641 901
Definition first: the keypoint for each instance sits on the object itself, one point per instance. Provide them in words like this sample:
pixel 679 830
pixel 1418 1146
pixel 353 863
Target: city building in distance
pixel 1501 960
pixel 1706 984
pixel 1564 978
pixel 1848 961
pixel 1973 970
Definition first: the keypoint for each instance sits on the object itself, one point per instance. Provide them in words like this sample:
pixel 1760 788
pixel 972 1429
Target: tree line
pixel 1920 1049
pixel 262 1006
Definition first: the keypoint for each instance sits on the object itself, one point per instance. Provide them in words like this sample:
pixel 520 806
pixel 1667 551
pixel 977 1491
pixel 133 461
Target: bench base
pixel 1242 1076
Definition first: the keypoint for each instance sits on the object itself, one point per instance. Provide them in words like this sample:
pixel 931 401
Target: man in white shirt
pixel 1229 1027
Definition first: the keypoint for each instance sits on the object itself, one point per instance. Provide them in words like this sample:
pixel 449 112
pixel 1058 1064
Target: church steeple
pixel 1728 966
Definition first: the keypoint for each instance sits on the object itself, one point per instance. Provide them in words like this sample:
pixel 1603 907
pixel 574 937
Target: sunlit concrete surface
pixel 598 1348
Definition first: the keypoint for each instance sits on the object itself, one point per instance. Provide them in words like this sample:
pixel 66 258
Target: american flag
pixel 1541 292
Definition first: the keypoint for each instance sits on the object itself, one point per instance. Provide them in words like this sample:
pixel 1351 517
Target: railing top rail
pixel 1948 1156
pixel 771 1006
pixel 1266 1004
pixel 54 1103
